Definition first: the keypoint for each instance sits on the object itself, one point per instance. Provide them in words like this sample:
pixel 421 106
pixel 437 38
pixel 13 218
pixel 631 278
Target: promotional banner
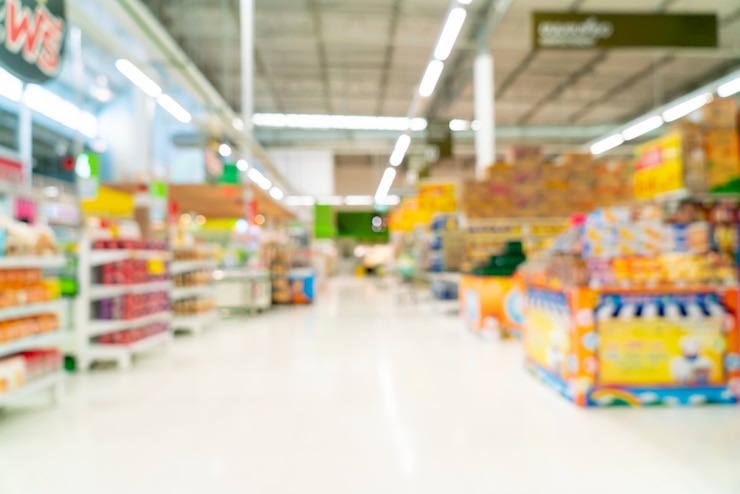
pixel 605 30
pixel 659 167
pixel 32 33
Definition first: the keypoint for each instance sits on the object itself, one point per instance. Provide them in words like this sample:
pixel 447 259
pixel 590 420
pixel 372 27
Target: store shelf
pixel 98 292
pixel 191 291
pixel 124 353
pixel 30 343
pixel 179 267
pixel 22 311
pixel 99 328
pixel 194 324
pixel 32 262
pixel 107 256
pixel 32 388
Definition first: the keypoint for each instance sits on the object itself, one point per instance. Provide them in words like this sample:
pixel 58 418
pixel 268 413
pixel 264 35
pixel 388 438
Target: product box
pixel 723 158
pixel 722 113
pixel 12 374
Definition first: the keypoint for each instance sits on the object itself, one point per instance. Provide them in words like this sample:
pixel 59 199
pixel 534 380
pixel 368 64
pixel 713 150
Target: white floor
pixel 354 395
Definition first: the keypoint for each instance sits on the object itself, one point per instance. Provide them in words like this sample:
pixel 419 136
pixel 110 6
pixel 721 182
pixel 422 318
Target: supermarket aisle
pixel 354 395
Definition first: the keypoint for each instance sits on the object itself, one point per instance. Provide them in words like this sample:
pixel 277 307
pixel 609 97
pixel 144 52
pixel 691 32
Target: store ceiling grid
pixel 360 57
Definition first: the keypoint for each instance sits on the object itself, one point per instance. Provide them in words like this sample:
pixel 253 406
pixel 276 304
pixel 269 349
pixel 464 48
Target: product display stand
pixel 144 332
pixel 193 321
pixel 13 350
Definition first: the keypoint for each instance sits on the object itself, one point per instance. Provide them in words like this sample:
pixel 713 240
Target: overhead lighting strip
pixel 681 107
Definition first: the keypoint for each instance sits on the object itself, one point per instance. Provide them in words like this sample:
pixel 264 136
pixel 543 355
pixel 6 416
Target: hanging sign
pixel 598 30
pixel 11 171
pixel 32 34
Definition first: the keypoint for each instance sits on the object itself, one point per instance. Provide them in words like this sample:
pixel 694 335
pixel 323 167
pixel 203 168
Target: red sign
pixel 11 171
pixel 32 36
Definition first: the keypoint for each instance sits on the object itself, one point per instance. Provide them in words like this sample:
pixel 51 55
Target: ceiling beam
pixel 321 50
pixel 389 55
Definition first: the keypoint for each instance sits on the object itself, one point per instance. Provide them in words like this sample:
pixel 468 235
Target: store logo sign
pixel 32 34
pixel 583 34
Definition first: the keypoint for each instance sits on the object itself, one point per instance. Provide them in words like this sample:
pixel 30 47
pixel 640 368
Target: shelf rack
pixel 52 383
pixel 86 351
pixel 195 323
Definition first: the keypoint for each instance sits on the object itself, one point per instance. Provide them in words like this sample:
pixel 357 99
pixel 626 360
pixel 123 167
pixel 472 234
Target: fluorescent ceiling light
pixel 224 150
pixel 337 122
pixel 242 165
pixel 277 194
pixel 174 108
pixel 687 107
pixel 642 128
pixel 55 108
pixel 606 144
pixel 391 201
pixel 385 185
pixel 450 32
pixel 728 89
pixel 300 201
pixel 139 78
pixel 418 124
pixel 257 177
pixel 430 79
pixel 399 152
pixel 330 201
pixel 465 2
pixel 238 124
pixel 10 86
pixel 458 125
pixel 358 201
pixel 475 125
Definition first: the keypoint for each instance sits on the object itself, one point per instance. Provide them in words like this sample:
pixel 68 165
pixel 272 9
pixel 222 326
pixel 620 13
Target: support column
pixel 485 137
pixel 247 65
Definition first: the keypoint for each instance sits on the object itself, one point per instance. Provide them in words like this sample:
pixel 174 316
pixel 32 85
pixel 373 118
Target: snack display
pixel 198 277
pixel 131 306
pixel 193 306
pixel 26 286
pixel 23 369
pixel 17 329
pixel 132 336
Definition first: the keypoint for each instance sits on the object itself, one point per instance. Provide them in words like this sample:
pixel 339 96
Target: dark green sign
pixel 32 34
pixel 595 30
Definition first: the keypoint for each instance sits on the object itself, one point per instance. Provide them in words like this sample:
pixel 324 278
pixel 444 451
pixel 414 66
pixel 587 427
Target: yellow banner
pixel 659 167
pixel 109 203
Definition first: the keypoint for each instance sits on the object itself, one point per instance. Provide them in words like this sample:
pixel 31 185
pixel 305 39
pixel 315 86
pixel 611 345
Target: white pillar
pixel 247 65
pixel 485 138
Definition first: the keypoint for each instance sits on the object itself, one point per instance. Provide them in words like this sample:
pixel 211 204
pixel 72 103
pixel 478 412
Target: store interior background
pixel 280 206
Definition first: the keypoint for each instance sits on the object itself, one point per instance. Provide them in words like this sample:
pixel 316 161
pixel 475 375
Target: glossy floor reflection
pixel 355 395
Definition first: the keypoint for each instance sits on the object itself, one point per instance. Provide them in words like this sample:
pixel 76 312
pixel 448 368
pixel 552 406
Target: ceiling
pixel 365 57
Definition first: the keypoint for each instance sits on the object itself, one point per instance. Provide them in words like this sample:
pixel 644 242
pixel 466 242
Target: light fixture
pixel 358 201
pixel 465 2
pixel 242 165
pixel 10 86
pixel 58 109
pixel 200 220
pixel 139 78
pixel 642 128
pixel 606 144
pixel 450 32
pixel 475 125
pixel 300 201
pixel 729 88
pixel 430 79
pixel 238 124
pixel 101 93
pixel 386 182
pixel 330 201
pixel 457 125
pixel 174 108
pixel 224 150
pixel 392 201
pixel 337 122
pixel 686 107
pixel 277 194
pixel 260 219
pixel 399 152
pixel 257 177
